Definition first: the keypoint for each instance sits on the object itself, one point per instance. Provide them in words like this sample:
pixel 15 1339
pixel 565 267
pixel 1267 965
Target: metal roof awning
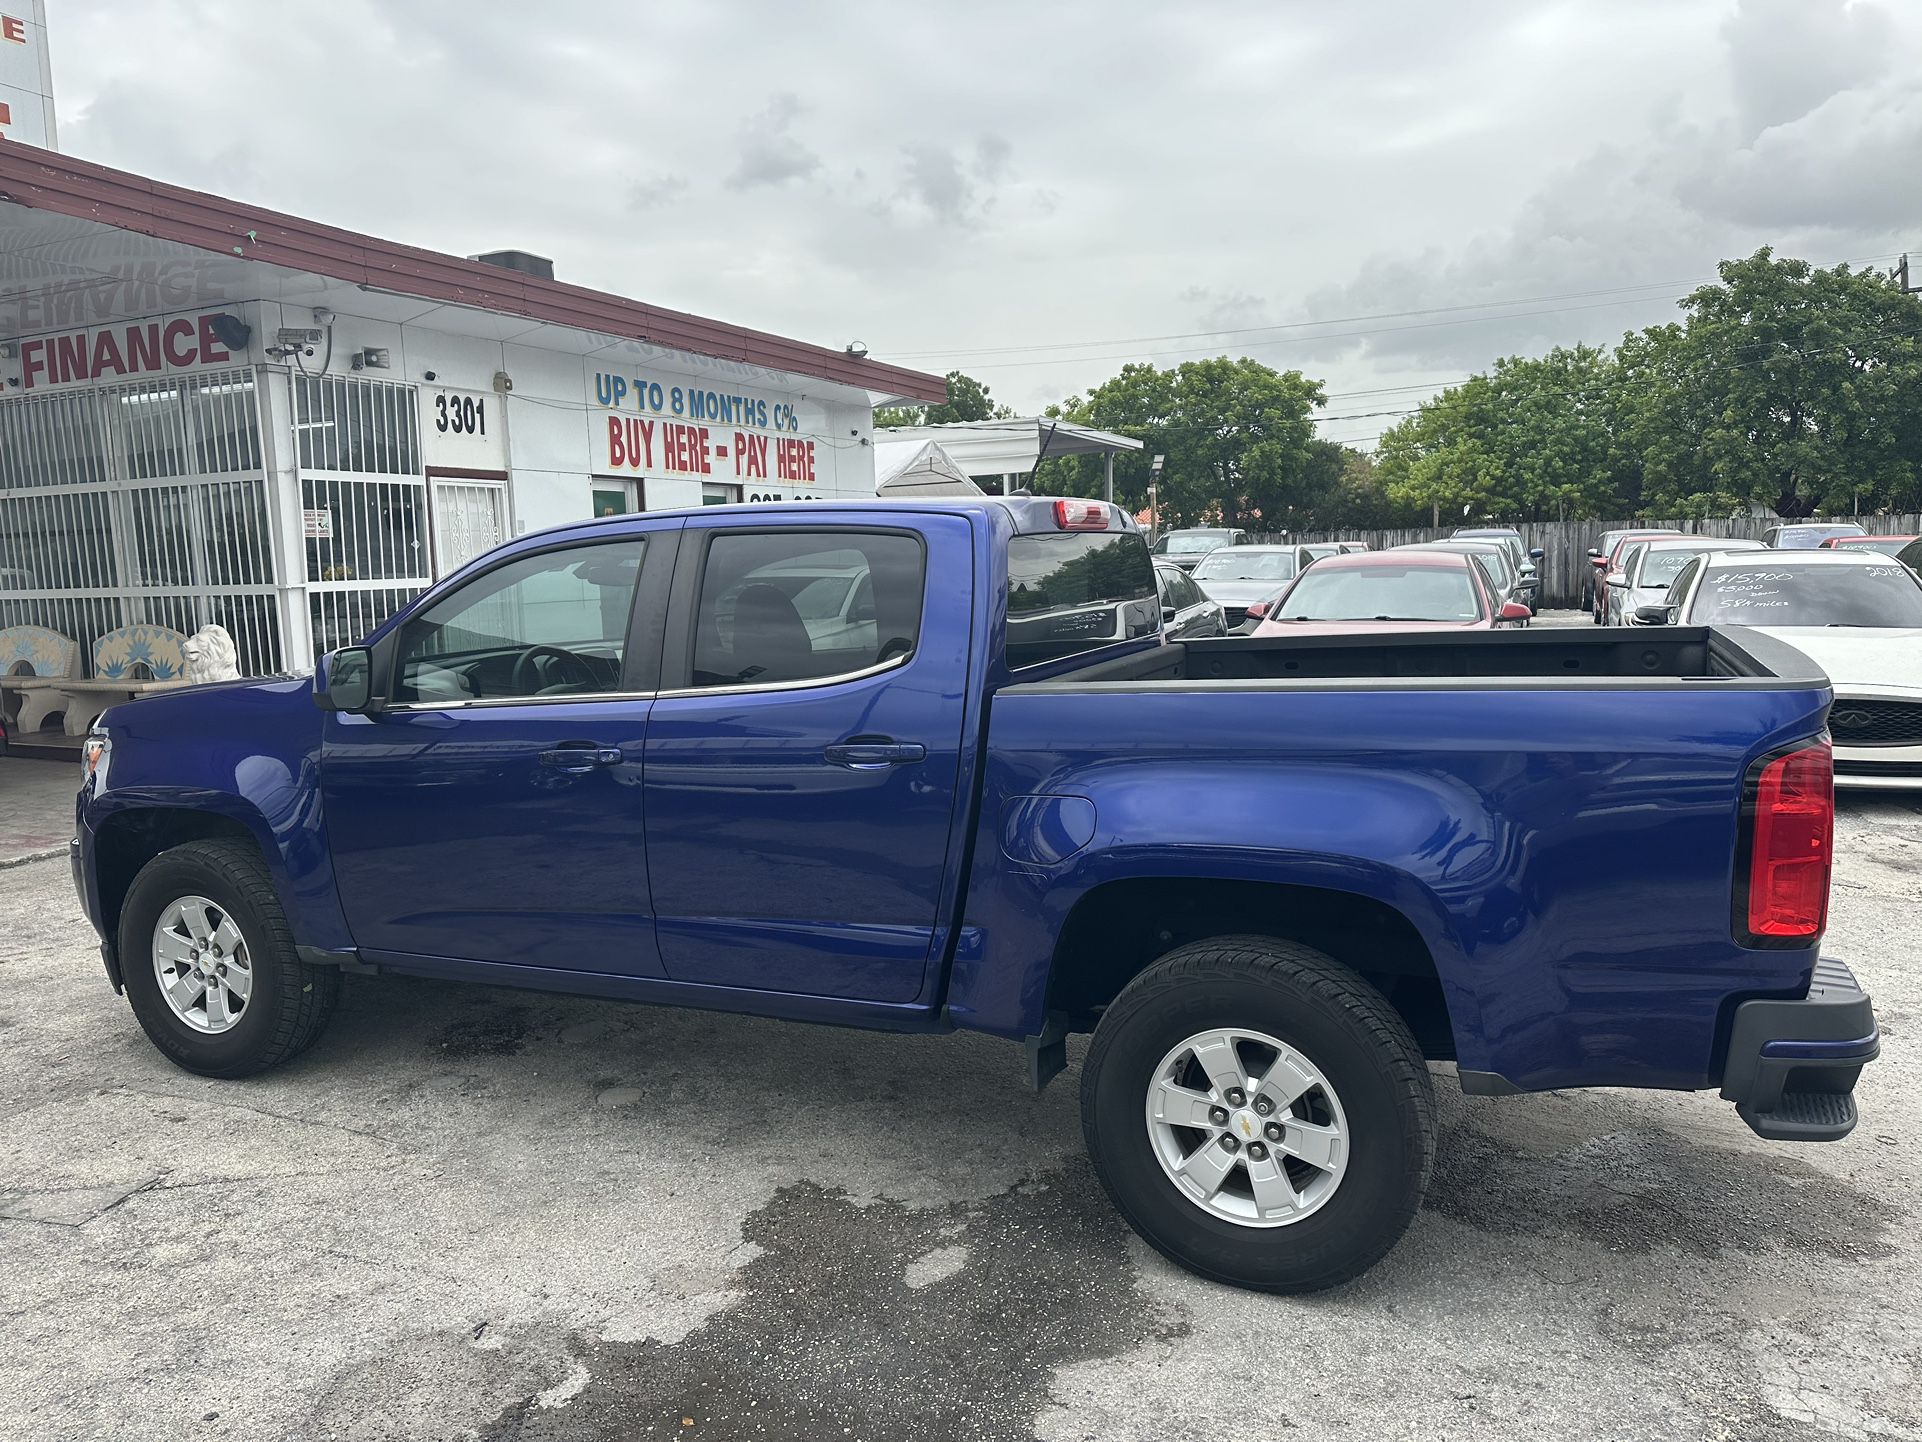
pixel 81 244
pixel 1012 447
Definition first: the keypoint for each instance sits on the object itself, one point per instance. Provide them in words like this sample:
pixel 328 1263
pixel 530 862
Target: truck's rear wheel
pixel 210 965
pixel 1260 1114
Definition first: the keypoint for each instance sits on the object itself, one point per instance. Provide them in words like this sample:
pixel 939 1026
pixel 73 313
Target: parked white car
pixel 1858 617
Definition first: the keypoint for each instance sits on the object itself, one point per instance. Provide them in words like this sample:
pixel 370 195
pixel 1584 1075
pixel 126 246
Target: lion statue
pixel 211 656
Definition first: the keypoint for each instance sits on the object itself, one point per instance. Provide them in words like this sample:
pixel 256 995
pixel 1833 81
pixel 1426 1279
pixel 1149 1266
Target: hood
pixel 178 709
pixel 1238 593
pixel 1362 628
pixel 1882 657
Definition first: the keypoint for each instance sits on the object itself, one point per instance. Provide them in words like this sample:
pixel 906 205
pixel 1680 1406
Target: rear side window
pixel 805 605
pixel 1075 591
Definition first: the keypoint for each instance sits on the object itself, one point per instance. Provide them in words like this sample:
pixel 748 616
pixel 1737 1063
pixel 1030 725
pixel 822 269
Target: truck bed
pixel 1613 657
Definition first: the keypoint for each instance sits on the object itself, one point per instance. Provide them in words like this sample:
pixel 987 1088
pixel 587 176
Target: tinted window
pixel 1075 590
pixel 1382 593
pixel 1809 595
pixel 550 624
pixel 1911 555
pixel 805 605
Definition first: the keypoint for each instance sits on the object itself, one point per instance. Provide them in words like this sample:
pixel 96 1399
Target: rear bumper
pixel 1792 1065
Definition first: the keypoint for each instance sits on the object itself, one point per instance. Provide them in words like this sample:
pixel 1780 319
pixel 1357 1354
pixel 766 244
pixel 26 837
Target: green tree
pixel 1534 439
pixel 1237 436
pixel 1799 388
pixel 968 400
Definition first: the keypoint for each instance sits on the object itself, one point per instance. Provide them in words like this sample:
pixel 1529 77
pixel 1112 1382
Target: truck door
pixel 493 812
pixel 803 754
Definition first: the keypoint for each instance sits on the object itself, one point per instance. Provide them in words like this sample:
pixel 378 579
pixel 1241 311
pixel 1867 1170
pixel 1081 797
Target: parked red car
pixel 1388 591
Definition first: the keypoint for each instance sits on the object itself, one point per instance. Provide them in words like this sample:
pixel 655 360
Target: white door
pixel 470 517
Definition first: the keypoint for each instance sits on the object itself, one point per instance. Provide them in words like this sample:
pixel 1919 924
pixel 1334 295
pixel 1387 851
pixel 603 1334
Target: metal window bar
pixel 121 503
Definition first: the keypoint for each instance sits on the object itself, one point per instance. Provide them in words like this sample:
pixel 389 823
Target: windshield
pixel 1493 557
pixel 1382 593
pixel 1887 545
pixel 1808 538
pixel 1837 595
pixel 1234 563
pixel 1193 543
pixel 1661 567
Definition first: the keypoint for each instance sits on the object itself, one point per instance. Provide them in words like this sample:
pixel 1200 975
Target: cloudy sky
pixel 1039 193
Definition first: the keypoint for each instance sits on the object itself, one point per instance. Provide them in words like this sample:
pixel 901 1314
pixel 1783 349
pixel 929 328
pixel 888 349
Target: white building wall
pixel 693 429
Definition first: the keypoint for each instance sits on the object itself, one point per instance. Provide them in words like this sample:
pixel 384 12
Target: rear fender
pixel 1393 838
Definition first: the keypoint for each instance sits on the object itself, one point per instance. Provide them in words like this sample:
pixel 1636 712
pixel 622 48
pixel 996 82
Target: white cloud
pixel 941 182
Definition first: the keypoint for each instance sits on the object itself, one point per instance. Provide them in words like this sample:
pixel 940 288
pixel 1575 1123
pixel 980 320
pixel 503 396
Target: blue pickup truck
pixel 934 765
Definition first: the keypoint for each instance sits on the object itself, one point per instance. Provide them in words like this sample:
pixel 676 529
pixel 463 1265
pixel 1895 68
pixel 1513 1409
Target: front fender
pixel 247 754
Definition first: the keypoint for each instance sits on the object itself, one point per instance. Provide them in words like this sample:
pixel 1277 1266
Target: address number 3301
pixel 460 415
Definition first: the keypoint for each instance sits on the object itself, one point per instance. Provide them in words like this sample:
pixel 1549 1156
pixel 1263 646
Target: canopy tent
pixel 1009 449
pixel 918 468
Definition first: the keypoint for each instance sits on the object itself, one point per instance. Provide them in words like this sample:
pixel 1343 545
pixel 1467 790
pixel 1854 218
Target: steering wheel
pixel 529 677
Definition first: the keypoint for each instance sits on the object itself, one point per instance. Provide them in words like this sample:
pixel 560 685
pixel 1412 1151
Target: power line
pixel 1667 287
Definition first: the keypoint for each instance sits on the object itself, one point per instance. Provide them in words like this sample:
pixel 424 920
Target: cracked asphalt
pixel 471 1213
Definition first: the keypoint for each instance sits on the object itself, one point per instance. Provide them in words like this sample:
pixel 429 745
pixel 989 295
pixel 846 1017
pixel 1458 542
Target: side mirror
pixel 1258 611
pixel 1656 615
pixel 1515 611
pixel 1594 555
pixel 345 681
pixel 1167 615
pixel 1536 554
pixel 1618 578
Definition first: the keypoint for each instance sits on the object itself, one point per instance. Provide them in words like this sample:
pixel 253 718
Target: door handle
pixel 875 755
pixel 581 756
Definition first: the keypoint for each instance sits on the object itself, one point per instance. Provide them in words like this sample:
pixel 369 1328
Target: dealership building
pixel 214 413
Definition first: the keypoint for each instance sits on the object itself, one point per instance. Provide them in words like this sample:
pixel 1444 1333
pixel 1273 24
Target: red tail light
pixel 1081 515
pixel 1791 846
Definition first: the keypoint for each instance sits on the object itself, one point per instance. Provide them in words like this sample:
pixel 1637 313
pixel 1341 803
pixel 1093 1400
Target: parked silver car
pixel 1238 576
pixel 1186 610
pixel 1649 565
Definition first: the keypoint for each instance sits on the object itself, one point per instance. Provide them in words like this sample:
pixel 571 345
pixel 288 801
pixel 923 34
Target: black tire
pixel 290 1001
pixel 1334 1019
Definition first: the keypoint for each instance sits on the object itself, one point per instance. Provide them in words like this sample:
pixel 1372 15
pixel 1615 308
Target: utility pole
pixel 1154 494
pixel 1900 275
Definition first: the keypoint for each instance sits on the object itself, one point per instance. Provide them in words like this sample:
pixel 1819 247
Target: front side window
pixel 806 605
pixel 1074 591
pixel 550 624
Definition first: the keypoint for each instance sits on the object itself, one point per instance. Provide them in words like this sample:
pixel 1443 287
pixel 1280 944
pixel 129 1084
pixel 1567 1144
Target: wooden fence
pixel 1565 569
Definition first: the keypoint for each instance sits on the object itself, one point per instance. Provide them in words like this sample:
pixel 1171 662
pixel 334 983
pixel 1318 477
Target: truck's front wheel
pixel 210 965
pixel 1260 1114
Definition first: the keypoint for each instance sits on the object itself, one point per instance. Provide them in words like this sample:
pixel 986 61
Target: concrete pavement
pixel 36 807
pixel 470 1212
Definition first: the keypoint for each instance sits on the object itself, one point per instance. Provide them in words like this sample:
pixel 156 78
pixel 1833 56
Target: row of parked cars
pixel 1849 601
pixel 1214 583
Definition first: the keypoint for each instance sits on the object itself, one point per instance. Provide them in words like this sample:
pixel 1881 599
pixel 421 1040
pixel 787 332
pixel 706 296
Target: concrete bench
pixel 34 661
pixel 128 662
